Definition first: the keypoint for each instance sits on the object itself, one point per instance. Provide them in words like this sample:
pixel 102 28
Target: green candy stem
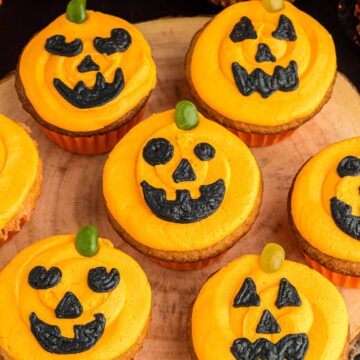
pixel 186 115
pixel 76 11
pixel 273 5
pixel 87 241
pixel 272 257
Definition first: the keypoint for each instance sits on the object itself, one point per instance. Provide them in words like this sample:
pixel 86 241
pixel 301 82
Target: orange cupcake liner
pixel 336 278
pixel 188 266
pixel 259 140
pixel 12 233
pixel 96 144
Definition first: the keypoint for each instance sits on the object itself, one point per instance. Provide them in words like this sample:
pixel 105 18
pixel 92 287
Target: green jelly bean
pixel 87 240
pixel 76 11
pixel 272 257
pixel 186 115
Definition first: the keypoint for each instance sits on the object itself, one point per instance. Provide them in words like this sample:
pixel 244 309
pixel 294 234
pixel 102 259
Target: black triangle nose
pixel 264 54
pixel 69 307
pixel 268 324
pixel 184 172
pixel 88 64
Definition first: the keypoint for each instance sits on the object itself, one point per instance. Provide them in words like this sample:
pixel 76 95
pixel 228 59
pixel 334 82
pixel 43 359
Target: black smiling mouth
pixel 342 215
pixel 50 338
pixel 184 209
pixel 83 97
pixel 283 79
pixel 290 347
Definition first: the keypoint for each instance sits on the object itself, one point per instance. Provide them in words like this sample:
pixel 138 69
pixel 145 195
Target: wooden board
pixel 72 194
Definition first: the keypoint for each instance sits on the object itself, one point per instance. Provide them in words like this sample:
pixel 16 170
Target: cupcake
pixel 86 79
pixel 324 212
pixel 261 73
pixel 264 307
pixel 181 189
pixel 20 177
pixel 73 297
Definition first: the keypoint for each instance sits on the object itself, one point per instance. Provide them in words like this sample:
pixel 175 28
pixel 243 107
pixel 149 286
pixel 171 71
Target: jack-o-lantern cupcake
pixel 261 71
pixel 86 79
pixel 73 297
pixel 324 212
pixel 265 307
pixel 20 177
pixel 182 189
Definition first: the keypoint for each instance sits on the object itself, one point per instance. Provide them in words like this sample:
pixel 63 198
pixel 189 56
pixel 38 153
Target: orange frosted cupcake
pixel 73 297
pixel 324 212
pixel 182 189
pixel 261 307
pixel 261 73
pixel 20 177
pixel 86 79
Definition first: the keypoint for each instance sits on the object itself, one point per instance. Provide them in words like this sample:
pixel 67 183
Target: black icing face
pixel 289 347
pixel 282 79
pixel 184 209
pixel 102 92
pixel 69 307
pixel 340 211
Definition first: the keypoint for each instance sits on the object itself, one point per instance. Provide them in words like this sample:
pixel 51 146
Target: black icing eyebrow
pixel 57 45
pixel 243 30
pixel 42 279
pixel 99 280
pixel 119 41
pixel 349 166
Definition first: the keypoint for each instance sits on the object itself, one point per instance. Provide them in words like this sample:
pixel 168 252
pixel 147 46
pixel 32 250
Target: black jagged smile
pixel 293 346
pixel 50 338
pixel 83 97
pixel 283 79
pixel 184 209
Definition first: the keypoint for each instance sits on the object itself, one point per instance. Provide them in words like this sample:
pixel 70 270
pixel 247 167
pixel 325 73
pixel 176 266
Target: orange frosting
pixel 19 166
pixel 214 53
pixel 317 182
pixel 215 323
pixel 38 68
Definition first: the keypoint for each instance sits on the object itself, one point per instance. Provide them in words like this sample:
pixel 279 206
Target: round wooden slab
pixel 72 194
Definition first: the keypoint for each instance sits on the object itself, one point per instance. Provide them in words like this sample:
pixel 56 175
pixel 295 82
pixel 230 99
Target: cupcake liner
pixel 96 144
pixel 188 266
pixel 336 278
pixel 12 233
pixel 259 140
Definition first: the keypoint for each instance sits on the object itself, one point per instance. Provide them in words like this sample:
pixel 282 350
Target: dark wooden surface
pixel 20 19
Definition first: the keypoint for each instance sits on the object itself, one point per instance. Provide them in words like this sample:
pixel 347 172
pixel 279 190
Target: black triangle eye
pixel 247 295
pixel 158 151
pixel 349 166
pixel 41 279
pixel 288 295
pixel 119 41
pixel 99 280
pixel 285 29
pixel 243 30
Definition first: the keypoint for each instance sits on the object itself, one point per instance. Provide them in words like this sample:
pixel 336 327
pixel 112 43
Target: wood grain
pixel 72 193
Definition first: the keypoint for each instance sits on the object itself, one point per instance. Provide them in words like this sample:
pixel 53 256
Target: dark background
pixel 20 19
